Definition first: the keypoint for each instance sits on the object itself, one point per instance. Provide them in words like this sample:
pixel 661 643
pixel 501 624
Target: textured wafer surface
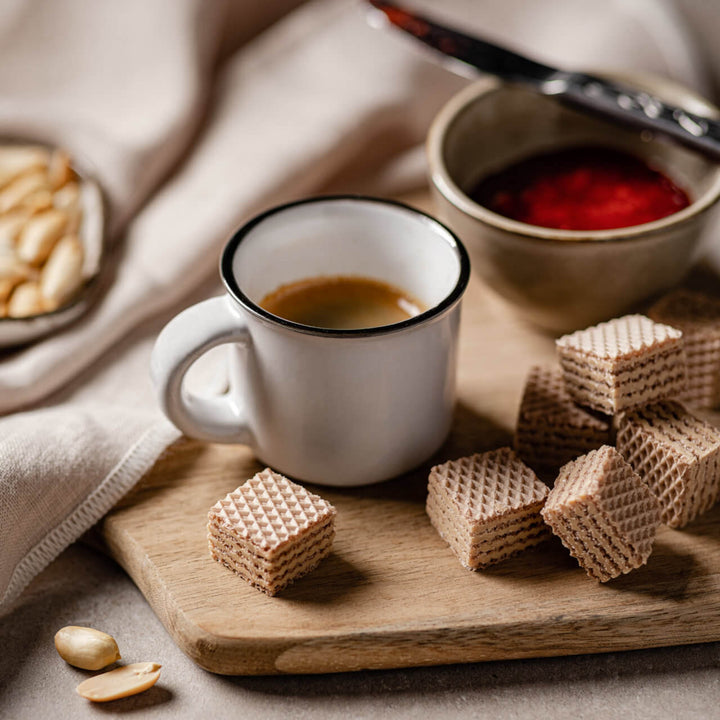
pixel 269 510
pixel 266 576
pixel 677 454
pixel 623 363
pixel 477 549
pixel 551 429
pixel 687 309
pixel 603 513
pixel 270 530
pixel 621 338
pixel 487 485
pixel 486 506
pixel 698 317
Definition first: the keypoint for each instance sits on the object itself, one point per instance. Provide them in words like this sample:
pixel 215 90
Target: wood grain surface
pixel 392 594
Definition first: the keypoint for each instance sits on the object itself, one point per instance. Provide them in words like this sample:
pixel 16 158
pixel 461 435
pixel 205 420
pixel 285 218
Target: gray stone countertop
pixel 83 587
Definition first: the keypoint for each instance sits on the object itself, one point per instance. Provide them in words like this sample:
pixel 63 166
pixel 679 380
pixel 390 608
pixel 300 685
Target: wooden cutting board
pixel 392 594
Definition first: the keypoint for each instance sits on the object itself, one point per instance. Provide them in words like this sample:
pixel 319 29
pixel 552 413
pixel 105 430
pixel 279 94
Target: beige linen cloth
pixel 193 120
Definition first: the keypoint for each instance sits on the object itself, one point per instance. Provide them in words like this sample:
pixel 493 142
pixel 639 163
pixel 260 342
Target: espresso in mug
pixel 341 303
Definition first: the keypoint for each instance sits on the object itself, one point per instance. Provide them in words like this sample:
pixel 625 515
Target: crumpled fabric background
pixel 195 115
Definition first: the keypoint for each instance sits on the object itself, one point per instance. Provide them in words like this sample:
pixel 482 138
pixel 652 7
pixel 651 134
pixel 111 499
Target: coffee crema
pixel 341 303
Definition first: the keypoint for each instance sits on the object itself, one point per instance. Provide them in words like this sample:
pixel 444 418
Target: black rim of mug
pixel 228 277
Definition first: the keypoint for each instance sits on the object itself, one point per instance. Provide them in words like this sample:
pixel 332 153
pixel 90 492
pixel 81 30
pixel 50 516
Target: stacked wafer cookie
pixel 603 513
pixel 486 506
pixel 623 363
pixel 629 368
pixel 270 531
pixel 677 455
pixel 606 503
pixel 551 429
pixel 698 316
pixel 673 451
pixel 601 509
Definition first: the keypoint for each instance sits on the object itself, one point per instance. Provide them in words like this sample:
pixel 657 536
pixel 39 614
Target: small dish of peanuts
pixel 51 240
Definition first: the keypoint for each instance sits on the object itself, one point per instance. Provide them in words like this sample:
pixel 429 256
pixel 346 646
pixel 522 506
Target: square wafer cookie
pixel 623 363
pixel 551 429
pixel 270 531
pixel 698 317
pixel 486 506
pixel 603 513
pixel 677 455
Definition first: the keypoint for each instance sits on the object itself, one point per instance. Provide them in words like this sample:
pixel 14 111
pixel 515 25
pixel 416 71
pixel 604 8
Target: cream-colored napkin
pixel 188 148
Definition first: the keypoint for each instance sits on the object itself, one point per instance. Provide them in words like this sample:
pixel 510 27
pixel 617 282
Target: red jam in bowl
pixel 581 188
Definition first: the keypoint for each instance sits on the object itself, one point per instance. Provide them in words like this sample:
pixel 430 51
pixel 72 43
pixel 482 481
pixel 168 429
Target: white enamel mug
pixel 334 407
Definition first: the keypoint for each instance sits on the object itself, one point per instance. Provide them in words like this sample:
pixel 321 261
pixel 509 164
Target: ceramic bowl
pixel 563 280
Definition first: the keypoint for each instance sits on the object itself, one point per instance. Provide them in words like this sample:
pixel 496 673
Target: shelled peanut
pixel 41 255
pixel 91 649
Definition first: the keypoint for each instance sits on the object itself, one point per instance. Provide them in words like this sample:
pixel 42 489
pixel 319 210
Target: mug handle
pixel 182 341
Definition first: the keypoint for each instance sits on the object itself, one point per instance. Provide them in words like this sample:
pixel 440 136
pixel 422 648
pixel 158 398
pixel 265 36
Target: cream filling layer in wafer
pixel 223 538
pixel 477 545
pixel 608 387
pixel 271 582
pixel 473 532
pixel 276 555
pixel 272 576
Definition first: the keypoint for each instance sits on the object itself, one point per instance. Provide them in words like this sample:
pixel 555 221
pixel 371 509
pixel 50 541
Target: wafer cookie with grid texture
pixel 551 428
pixel 486 506
pixel 603 513
pixel 698 317
pixel 271 531
pixel 623 363
pixel 677 454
